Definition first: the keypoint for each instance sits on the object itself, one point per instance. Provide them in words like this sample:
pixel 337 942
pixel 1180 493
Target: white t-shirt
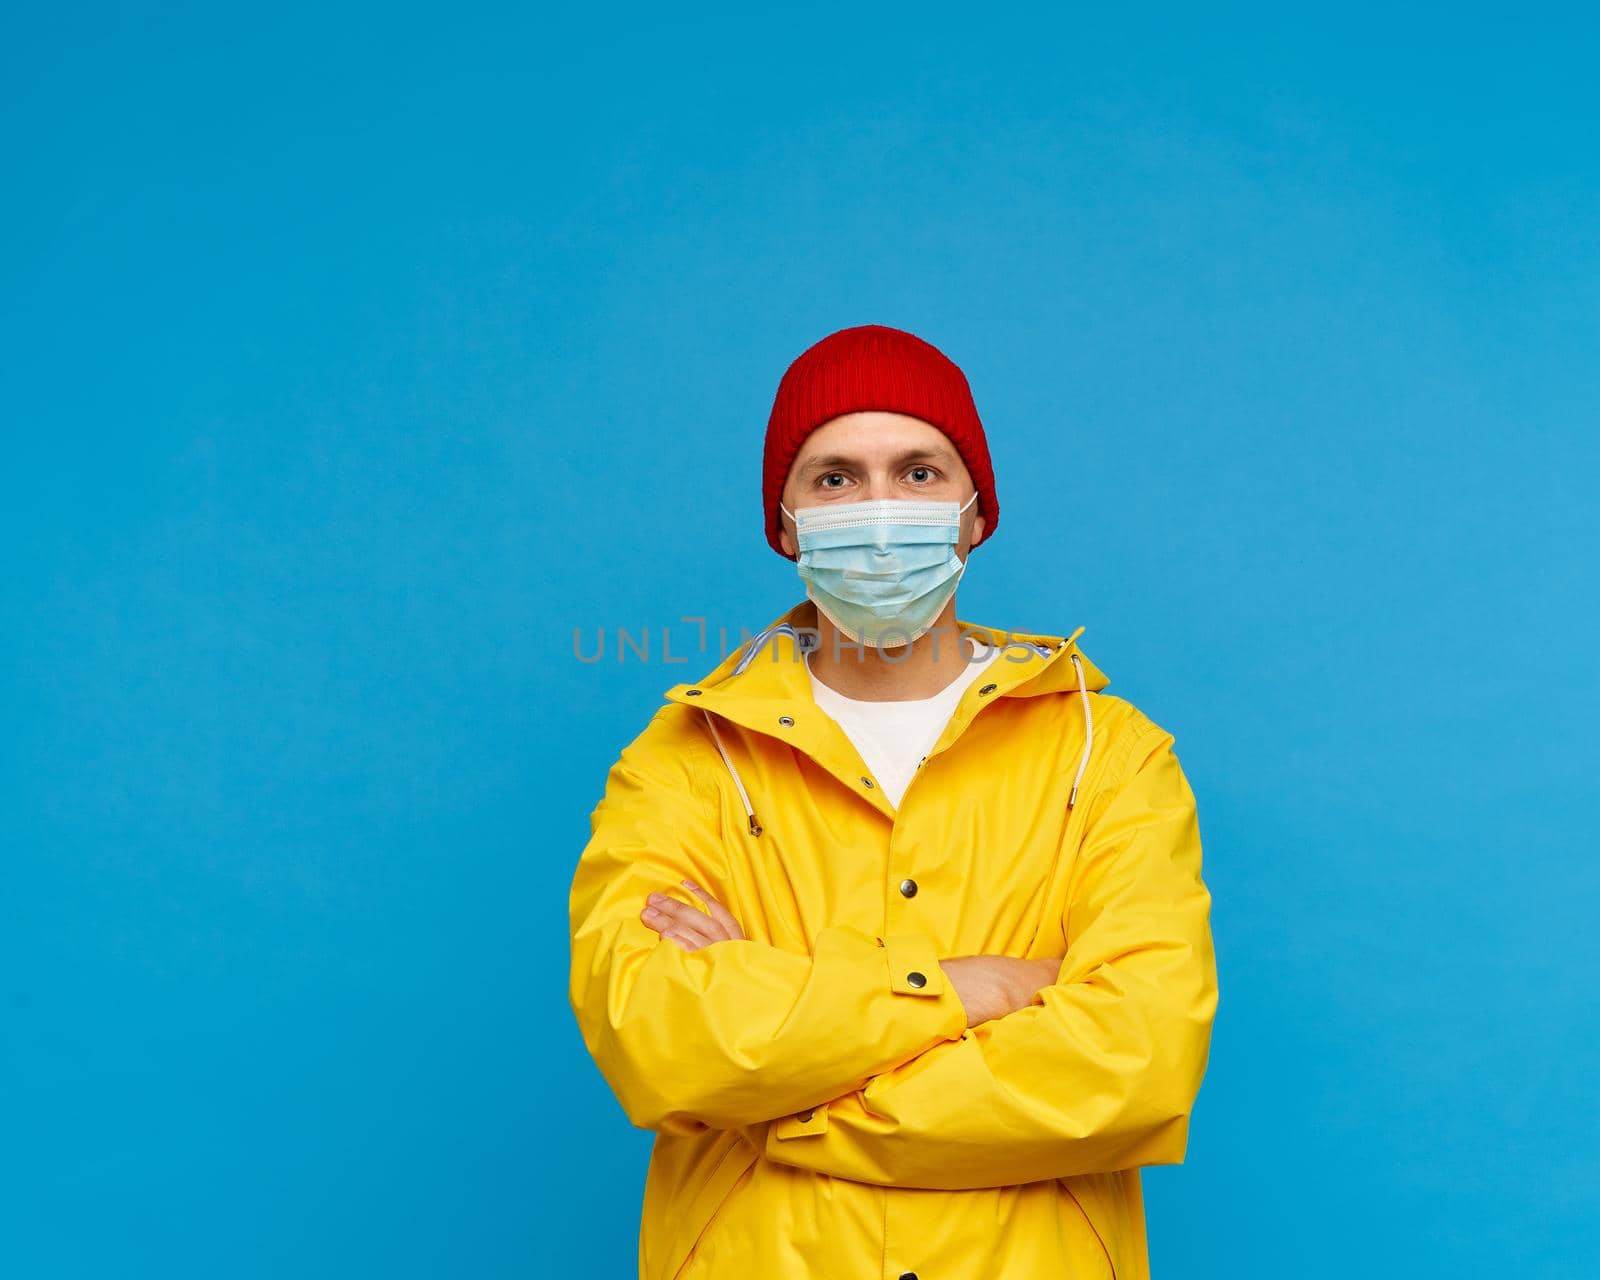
pixel 893 736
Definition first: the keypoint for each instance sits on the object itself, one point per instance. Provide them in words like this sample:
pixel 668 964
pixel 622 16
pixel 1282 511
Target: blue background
pixel 355 359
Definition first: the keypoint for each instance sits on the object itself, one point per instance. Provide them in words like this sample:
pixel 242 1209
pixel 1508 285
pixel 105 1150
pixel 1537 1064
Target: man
pixel 892 926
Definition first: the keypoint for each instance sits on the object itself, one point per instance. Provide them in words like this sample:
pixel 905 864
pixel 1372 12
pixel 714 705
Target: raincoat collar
pixel 770 667
pixel 764 686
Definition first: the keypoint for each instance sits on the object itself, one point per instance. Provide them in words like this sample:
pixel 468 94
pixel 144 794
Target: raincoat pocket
pixel 1098 1216
pixel 740 1158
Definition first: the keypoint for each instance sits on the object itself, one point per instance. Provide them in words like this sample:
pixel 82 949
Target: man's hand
pixel 687 925
pixel 993 986
pixel 989 986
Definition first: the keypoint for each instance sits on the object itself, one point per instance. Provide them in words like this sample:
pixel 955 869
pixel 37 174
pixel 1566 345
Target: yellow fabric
pixel 818 1113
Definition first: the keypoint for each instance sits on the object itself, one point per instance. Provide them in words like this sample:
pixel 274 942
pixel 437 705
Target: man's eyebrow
pixel 932 453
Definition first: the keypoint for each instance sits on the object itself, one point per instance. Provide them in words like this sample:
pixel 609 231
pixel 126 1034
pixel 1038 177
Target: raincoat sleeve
pixel 737 1032
pixel 1101 1070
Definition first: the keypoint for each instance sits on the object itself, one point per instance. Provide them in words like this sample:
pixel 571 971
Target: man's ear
pixel 977 532
pixel 784 540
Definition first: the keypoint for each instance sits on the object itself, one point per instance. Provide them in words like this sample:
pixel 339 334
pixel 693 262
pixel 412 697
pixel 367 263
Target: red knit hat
pixel 873 366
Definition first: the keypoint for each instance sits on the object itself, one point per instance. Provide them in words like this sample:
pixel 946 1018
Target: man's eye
pixel 827 479
pixel 920 473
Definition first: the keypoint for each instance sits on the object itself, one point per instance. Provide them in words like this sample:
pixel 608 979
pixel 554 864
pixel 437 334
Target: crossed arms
pixel 863 1059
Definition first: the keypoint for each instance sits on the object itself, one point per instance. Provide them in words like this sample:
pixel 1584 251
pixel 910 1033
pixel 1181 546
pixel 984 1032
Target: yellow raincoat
pixel 822 1108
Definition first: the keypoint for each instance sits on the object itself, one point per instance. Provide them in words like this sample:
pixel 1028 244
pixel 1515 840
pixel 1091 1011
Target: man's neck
pixel 918 670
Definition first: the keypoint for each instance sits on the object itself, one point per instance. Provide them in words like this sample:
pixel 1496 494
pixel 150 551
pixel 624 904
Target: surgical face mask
pixel 880 571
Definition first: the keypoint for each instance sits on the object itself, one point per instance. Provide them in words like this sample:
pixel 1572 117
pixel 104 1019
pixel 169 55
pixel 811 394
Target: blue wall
pixel 352 361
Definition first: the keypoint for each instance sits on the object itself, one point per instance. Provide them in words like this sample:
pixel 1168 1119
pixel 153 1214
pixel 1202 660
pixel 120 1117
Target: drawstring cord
pixel 1088 733
pixel 1072 798
pixel 744 796
pixel 806 641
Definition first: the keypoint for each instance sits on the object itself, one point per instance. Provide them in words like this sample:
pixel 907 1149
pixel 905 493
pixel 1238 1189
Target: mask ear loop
pixel 793 517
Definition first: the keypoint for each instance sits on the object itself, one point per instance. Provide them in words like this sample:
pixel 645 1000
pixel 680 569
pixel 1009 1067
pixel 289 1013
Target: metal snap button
pixel 806 1114
pixel 691 693
pixel 908 888
pixel 866 782
pixel 988 689
pixel 917 979
pixel 786 721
